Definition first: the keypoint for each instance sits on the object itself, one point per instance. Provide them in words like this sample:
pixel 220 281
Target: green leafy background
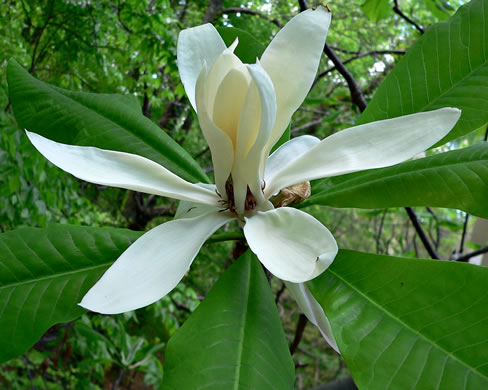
pixel 66 52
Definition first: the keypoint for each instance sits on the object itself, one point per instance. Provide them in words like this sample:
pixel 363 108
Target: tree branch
pixel 356 94
pixel 437 229
pixel 466 258
pixel 213 8
pixel 463 236
pixel 399 12
pixel 118 9
pixel 39 36
pixel 279 293
pixel 235 10
pixel 302 323
pixel 229 236
pixel 306 126
pixel 421 233
pixel 356 57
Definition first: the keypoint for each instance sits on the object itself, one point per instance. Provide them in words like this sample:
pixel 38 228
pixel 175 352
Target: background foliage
pixel 129 47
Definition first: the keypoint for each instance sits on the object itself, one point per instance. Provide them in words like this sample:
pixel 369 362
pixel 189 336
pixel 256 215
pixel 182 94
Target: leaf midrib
pixel 398 320
pixel 55 276
pixel 242 335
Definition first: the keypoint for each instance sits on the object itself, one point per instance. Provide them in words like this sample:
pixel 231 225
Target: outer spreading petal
pixel 285 155
pixel 373 145
pixel 152 266
pixel 188 209
pixel 312 309
pixel 118 169
pixel 292 60
pixel 195 46
pixel 291 244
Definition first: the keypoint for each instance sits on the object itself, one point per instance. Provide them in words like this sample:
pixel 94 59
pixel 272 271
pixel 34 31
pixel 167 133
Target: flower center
pixel 229 203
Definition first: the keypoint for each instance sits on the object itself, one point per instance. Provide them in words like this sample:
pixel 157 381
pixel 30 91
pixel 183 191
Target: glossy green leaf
pixel 44 273
pixel 285 137
pixel 113 122
pixel 248 49
pixel 408 323
pixel 446 67
pixel 440 8
pixel 234 340
pixel 456 179
pixel 376 9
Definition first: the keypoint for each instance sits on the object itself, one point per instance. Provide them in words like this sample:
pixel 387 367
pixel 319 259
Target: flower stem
pixel 230 236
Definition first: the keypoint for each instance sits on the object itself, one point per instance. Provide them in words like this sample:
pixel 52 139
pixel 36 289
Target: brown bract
pixel 292 194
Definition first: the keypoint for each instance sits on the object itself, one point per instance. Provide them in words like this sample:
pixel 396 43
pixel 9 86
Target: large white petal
pixel 292 60
pixel 219 142
pixel 312 310
pixel 285 155
pixel 188 209
pixel 152 266
pixel 118 169
pixel 373 145
pixel 291 244
pixel 196 46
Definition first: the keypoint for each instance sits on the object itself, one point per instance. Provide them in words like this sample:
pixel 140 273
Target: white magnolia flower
pixel 243 110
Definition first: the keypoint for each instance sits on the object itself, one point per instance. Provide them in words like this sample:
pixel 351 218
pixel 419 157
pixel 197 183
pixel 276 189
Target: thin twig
pixel 38 40
pixel 399 12
pixel 119 378
pixel 463 236
pixel 179 305
pixel 228 236
pixel 380 231
pixel 466 258
pixel 202 152
pixel 280 293
pixel 302 323
pixel 27 363
pixel 356 94
pixel 306 126
pixel 235 10
pixel 356 57
pixel 437 228
pixel 421 233
pixel 118 9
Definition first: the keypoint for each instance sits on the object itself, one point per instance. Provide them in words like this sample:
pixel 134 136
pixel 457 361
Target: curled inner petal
pixel 229 100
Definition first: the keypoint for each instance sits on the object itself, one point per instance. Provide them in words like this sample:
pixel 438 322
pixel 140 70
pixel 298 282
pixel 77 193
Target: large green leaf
pixel 113 122
pixel 234 340
pixel 376 9
pixel 408 323
pixel 440 8
pixel 446 67
pixel 44 273
pixel 456 179
pixel 248 49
